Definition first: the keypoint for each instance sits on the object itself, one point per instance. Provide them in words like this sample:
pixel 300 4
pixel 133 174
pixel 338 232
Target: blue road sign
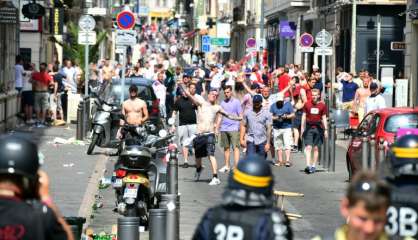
pixel 206 39
pixel 206 48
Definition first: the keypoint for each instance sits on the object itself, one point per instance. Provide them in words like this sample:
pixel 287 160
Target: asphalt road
pixel 319 207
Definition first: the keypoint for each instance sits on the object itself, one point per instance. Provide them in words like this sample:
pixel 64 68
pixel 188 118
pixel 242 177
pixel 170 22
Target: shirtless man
pixel 134 109
pixel 204 144
pixel 107 72
pixel 360 98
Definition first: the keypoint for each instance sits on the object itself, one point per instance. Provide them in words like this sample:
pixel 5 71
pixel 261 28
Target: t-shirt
pixel 58 78
pixel 349 90
pixel 206 115
pixel 42 77
pixel 187 111
pixel 374 103
pixel 20 220
pixel 27 85
pixel 70 78
pixel 19 75
pixel 308 91
pixel 314 112
pixel 216 81
pixel 283 82
pixel 256 124
pixel 318 85
pixel 286 109
pixel 233 107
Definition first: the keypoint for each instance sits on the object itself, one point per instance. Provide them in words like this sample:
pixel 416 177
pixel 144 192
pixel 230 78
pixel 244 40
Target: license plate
pixel 130 192
pixel 117 183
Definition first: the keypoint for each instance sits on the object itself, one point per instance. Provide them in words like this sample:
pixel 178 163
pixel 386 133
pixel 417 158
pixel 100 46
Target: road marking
pixel 92 189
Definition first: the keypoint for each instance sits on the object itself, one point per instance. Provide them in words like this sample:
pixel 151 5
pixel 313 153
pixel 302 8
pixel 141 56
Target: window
pixel 364 125
pixel 395 122
pixel 373 125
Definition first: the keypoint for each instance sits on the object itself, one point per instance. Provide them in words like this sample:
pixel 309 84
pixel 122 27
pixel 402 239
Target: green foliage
pixel 75 51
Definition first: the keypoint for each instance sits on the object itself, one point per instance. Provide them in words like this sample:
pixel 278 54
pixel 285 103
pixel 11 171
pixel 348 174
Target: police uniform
pixel 400 171
pixel 22 216
pixel 247 210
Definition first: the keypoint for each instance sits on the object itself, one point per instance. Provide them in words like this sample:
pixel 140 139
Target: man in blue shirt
pixel 282 128
pixel 349 91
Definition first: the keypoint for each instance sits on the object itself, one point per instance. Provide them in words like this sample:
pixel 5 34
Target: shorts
pixel 282 138
pixel 204 145
pixel 41 101
pixel 347 105
pixel 313 137
pixel 27 98
pixel 297 120
pixel 55 105
pixel 185 132
pixel 230 138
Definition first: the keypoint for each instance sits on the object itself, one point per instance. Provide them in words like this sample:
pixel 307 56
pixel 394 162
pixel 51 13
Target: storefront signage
pixel 8 14
pixel 57 21
pixel 287 29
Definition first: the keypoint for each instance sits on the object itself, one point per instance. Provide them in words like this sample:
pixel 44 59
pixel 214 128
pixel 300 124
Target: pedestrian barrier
pixel 80 121
pixel 171 204
pixel 158 219
pixel 172 172
pixel 365 152
pixel 332 138
pixel 280 195
pixel 86 117
pixel 372 157
pixel 128 228
pixel 327 151
pixel 381 150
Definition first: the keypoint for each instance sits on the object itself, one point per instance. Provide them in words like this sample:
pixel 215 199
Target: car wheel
pixel 349 168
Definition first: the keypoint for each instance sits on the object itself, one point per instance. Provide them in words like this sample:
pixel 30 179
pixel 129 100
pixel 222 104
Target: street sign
pixel 306 40
pixel 221 49
pixel 126 37
pixel 220 41
pixel 87 37
pixel 261 43
pixel 206 43
pixel 251 42
pixel 327 51
pixel 125 20
pixel 397 46
pixel 252 49
pixel 323 38
pixel 306 49
pixel 97 11
pixel 143 11
pixel 86 23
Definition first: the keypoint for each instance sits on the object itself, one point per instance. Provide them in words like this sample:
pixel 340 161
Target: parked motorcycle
pixel 105 125
pixel 140 172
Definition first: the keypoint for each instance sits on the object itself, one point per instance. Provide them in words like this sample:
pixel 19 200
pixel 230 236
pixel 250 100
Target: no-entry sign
pixel 125 20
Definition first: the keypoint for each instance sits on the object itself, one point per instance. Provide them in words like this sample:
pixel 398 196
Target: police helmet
pixel 18 156
pixel 404 156
pixel 250 183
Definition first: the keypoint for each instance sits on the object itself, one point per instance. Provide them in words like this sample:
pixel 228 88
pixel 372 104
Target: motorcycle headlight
pixel 162 133
pixel 106 108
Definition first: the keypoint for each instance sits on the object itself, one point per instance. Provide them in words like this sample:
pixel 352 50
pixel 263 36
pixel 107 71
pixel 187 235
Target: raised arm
pixel 230 116
pixel 193 98
pixel 240 79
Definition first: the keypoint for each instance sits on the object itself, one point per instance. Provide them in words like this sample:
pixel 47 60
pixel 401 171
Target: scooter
pixel 140 173
pixel 104 126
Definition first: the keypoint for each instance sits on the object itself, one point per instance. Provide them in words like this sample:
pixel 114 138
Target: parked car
pixel 383 124
pixel 145 92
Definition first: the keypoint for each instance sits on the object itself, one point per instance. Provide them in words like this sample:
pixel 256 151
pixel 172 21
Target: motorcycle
pixel 140 173
pixel 104 126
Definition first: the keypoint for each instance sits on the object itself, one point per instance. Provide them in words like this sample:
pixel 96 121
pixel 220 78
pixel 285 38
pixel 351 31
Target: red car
pixel 382 123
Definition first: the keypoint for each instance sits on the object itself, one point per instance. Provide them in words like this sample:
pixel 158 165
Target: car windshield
pixel 112 94
pixel 395 122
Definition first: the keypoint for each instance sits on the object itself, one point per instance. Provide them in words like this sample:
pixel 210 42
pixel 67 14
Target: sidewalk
pixel 319 207
pixel 73 174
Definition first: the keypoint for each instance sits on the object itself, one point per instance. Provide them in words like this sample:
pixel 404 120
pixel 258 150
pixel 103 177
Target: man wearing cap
pixel 375 100
pixel 282 128
pixel 255 132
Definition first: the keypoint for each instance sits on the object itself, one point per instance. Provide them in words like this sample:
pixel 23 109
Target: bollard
pixel 79 132
pixel 321 155
pixel 76 225
pixel 172 209
pixel 326 151
pixel 86 117
pixel 172 173
pixel 165 198
pixel 365 152
pixel 128 228
pixel 332 139
pixel 158 218
pixel 381 150
pixel 372 158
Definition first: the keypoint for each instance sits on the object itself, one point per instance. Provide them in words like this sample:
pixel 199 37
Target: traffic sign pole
pixel 122 95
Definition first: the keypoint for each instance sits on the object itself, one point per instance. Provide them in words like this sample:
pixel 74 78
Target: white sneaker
pixel 224 169
pixel 214 181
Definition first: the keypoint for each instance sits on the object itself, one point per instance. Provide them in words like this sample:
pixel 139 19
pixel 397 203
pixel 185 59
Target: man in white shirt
pixel 70 74
pixel 217 78
pixel 375 100
pixel 160 92
pixel 19 73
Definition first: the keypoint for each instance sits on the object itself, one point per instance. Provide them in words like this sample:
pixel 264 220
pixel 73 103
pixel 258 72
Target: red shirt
pixel 42 77
pixel 314 112
pixel 308 91
pixel 283 82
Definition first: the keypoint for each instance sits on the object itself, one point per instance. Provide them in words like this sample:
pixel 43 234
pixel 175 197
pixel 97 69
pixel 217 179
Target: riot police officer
pixel 26 209
pixel 246 211
pixel 400 170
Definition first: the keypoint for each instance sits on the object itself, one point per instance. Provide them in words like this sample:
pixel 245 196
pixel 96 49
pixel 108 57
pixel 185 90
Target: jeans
pixel 257 149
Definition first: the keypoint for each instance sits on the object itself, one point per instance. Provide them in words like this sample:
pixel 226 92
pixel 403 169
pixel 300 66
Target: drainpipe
pixel 353 37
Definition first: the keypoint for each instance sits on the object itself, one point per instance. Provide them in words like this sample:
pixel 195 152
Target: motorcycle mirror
pixel 171 121
pixel 162 133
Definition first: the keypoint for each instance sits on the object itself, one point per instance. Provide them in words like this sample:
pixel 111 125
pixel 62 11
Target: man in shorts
pixel 41 82
pixel 186 109
pixel 204 143
pixel 315 118
pixel 229 129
